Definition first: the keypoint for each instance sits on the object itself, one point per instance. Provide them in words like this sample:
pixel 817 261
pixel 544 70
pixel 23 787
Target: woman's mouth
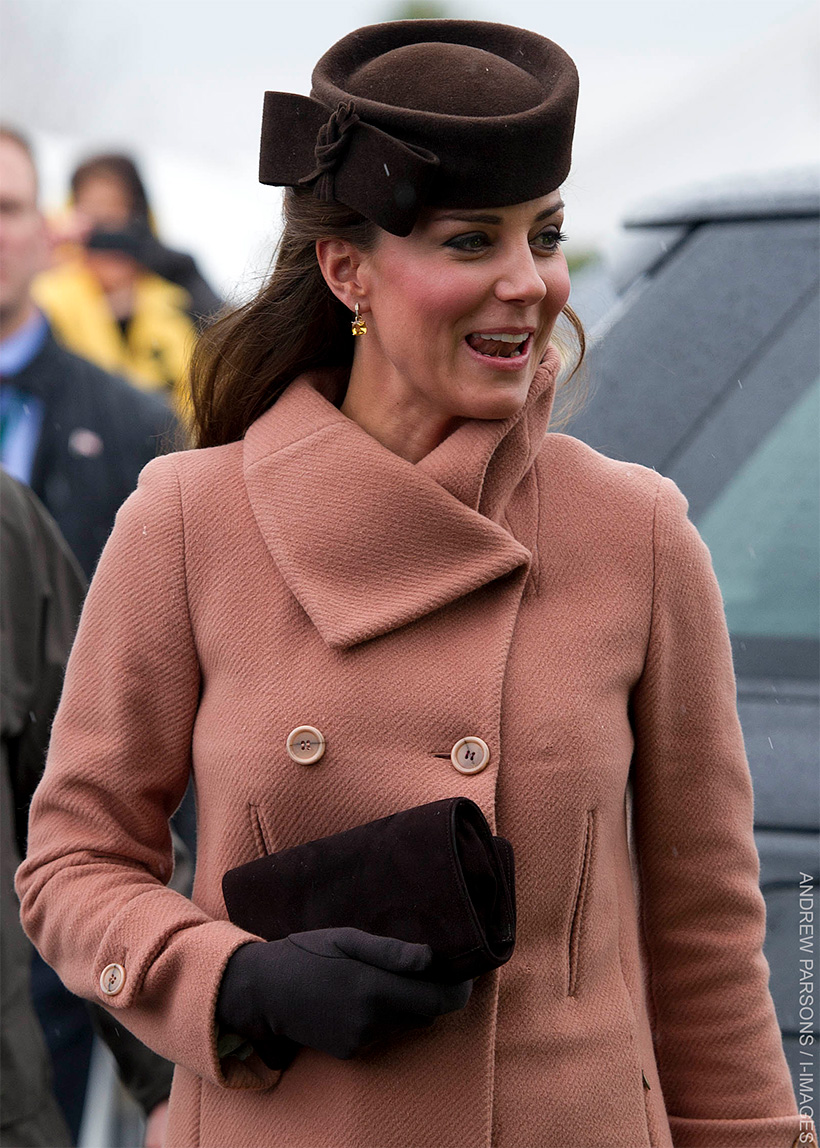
pixel 507 346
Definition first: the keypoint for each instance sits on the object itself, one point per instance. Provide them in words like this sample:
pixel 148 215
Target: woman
pixel 117 295
pixel 381 553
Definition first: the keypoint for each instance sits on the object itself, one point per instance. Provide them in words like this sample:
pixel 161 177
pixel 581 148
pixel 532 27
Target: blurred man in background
pixel 74 433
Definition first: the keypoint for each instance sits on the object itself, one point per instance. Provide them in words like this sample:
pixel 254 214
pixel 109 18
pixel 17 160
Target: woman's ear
pixel 341 265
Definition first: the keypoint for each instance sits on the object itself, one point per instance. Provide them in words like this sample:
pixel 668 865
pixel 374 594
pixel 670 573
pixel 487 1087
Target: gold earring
pixel 358 325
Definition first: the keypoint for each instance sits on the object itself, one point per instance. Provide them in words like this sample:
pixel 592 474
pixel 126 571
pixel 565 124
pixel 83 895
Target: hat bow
pixel 348 160
pixel 332 142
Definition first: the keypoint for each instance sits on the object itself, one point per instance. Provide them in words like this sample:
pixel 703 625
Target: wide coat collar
pixel 366 540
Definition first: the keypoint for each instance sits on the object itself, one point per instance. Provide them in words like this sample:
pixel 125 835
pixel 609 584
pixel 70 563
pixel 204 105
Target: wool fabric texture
pixel 404 114
pixel 512 585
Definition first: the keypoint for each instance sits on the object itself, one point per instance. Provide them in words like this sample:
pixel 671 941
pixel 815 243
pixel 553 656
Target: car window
pixel 763 530
pixel 702 321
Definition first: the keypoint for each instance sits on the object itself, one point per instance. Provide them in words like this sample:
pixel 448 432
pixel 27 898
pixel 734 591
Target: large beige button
pixel 306 744
pixel 470 755
pixel 112 979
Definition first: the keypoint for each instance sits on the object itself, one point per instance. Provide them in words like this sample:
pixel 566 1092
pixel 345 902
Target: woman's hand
pixel 336 990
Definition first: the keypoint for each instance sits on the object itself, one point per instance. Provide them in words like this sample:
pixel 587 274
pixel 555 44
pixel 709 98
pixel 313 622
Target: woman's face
pixel 461 310
pixel 104 201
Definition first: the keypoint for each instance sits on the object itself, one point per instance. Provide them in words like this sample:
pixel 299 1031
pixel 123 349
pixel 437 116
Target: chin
pixel 499 399
pixel 495 406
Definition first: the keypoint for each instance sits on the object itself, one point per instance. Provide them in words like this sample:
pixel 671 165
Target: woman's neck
pixel 394 414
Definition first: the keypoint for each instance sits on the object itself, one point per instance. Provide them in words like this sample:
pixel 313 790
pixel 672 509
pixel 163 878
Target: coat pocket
pixel 261 837
pixel 577 920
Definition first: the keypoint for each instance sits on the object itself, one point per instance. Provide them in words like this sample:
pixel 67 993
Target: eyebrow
pixel 477 217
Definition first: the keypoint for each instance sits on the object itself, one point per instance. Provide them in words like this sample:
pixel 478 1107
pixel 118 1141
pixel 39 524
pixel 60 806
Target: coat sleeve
pixel 93 886
pixel 718 1048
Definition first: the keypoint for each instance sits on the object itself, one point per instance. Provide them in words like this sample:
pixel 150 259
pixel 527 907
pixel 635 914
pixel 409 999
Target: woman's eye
pixel 476 241
pixel 549 240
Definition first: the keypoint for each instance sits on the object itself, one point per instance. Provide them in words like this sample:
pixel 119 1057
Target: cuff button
pixel 112 979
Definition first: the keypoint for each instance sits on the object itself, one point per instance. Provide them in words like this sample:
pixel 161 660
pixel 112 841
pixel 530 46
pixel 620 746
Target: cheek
pixel 558 285
pixel 417 295
pixel 22 255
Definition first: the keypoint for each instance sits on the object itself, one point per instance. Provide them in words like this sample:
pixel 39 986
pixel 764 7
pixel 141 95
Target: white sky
pixel 671 90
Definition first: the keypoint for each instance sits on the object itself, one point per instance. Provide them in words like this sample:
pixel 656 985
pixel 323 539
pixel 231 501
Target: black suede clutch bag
pixel 433 875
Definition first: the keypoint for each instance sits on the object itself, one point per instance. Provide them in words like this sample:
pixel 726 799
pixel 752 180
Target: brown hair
pixel 245 360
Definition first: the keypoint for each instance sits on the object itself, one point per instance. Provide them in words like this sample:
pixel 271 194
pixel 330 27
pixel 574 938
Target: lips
pixel 499 344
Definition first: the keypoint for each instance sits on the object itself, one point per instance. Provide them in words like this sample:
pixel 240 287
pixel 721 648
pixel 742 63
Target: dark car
pixel 707 368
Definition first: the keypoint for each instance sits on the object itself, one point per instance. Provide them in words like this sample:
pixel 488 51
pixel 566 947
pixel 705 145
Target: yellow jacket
pixel 154 354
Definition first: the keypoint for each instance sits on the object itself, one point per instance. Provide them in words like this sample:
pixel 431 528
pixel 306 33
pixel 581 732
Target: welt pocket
pixel 579 903
pixel 261 835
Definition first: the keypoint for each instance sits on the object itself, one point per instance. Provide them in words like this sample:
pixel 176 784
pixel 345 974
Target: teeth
pixel 503 337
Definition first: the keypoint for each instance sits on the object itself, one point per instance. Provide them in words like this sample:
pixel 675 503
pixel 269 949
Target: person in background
pixel 117 295
pixel 43 590
pixel 79 438
pixel 108 193
pixel 76 434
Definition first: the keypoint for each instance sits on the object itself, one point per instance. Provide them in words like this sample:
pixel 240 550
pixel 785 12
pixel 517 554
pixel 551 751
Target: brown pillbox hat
pixel 444 113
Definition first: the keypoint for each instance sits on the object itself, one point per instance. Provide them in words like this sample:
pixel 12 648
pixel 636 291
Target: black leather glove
pixel 336 990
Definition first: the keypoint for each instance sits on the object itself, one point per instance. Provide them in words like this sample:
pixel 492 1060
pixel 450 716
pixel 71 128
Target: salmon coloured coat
pixel 512 585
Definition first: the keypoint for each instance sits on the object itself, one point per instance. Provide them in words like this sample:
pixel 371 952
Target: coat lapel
pixel 367 541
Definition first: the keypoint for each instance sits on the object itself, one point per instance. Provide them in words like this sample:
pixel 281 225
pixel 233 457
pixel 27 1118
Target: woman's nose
pixel 520 280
